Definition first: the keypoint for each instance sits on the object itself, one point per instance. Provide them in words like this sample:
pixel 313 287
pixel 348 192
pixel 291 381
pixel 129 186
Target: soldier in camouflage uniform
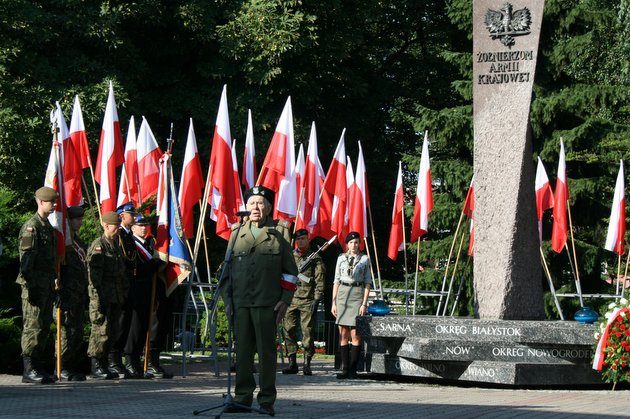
pixel 302 312
pixel 108 292
pixel 72 298
pixel 37 245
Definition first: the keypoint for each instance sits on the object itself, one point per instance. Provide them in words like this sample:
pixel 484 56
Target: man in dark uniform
pixel 130 254
pixel 37 245
pixel 301 314
pixel 73 296
pixel 263 274
pixel 108 292
pixel 140 295
pixel 159 330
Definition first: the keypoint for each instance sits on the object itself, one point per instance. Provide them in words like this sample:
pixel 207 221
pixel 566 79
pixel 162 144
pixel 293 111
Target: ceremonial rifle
pixel 309 260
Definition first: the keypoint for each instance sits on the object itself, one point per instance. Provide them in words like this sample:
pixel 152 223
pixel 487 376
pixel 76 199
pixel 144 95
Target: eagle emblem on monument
pixel 505 24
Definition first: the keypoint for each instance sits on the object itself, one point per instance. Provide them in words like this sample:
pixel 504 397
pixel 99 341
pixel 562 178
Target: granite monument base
pixel 508 352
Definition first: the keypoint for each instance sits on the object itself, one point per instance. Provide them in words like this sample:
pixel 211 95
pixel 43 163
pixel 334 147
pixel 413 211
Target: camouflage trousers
pixel 36 318
pixel 299 316
pixel 71 334
pixel 106 328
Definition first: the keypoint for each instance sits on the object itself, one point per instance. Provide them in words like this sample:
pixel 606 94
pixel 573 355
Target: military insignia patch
pixel 30 229
pixel 98 249
pixel 505 24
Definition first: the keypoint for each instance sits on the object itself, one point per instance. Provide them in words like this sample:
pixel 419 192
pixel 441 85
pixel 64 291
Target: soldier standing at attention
pixel 72 298
pixel 106 288
pixel 302 312
pixel 130 254
pixel 37 244
pixel 263 274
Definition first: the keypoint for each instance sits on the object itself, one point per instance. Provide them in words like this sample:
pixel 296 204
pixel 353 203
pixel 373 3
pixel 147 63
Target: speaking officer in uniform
pixel 37 245
pixel 263 275
pixel 310 289
pixel 73 296
pixel 108 293
pixel 130 254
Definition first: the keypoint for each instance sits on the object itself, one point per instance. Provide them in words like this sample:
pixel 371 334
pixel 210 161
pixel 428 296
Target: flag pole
pixel 625 274
pixel 459 292
pixel 578 287
pixel 205 248
pixel 60 181
pixel 98 206
pixel 415 285
pixel 550 281
pixel 618 275
pixel 147 341
pixel 367 250
pixel 404 243
pixel 378 268
pixel 577 270
pixel 297 216
pixel 450 284
pixel 448 262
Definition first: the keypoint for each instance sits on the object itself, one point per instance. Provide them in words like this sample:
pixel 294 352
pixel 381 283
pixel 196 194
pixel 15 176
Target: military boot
pixel 292 368
pixel 153 366
pixel 344 353
pixel 100 372
pixel 354 358
pixel 115 365
pixel 132 367
pixel 307 366
pixel 31 375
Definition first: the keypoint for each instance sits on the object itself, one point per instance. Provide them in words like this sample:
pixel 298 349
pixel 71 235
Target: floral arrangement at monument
pixel 612 354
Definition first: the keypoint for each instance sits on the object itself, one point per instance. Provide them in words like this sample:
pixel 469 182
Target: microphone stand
pixel 226 276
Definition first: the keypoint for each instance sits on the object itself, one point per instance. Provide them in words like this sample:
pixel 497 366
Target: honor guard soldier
pixel 303 310
pixel 37 246
pixel 264 274
pixel 73 296
pixel 127 246
pixel 107 288
pixel 147 263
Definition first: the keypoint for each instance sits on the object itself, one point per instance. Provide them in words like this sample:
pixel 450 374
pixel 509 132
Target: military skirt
pixel 349 300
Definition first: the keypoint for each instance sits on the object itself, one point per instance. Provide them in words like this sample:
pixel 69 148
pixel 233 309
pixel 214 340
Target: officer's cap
pixel 141 221
pixel 46 194
pixel 111 217
pixel 301 232
pixel 75 212
pixel 352 235
pixel 128 207
pixel 260 191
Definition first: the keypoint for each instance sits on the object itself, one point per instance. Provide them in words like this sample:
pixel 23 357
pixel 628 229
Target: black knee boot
pixel 292 368
pixel 354 358
pixel 344 352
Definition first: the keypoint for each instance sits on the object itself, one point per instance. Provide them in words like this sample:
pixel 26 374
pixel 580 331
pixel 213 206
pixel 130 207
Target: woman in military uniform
pixel 351 290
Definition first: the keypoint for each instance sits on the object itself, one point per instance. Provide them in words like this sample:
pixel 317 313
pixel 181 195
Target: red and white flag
pixel 222 195
pixel 312 185
pixel 469 210
pixel 544 195
pixel 69 161
pixel 238 192
pixel 278 169
pixel 128 187
pixel 149 154
pixel 357 218
pixel 332 204
pixel 349 185
pixel 249 157
pixel 191 183
pixel 299 174
pixel 396 242
pixel 561 195
pixel 110 155
pixel 78 135
pixel 615 239
pixel 424 195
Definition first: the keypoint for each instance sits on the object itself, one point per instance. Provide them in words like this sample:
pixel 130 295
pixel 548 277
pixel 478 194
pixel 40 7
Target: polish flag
pixel 238 192
pixel 149 154
pixel 78 135
pixel 357 218
pixel 424 195
pixel 617 226
pixel 561 195
pixel 128 188
pixel 349 187
pixel 191 183
pixel 69 161
pixel 544 195
pixel 110 155
pixel 312 185
pixel 249 157
pixel 278 169
pixel 396 243
pixel 469 210
pixel 222 197
pixel 332 204
pixel 299 174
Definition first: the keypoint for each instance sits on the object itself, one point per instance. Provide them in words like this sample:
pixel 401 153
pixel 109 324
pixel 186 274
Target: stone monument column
pixel 507 269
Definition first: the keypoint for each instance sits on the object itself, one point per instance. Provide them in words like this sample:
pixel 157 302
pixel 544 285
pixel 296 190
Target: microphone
pixel 243 213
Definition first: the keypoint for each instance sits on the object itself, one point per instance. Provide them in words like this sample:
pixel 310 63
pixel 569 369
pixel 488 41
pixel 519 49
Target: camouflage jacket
pixel 38 255
pixel 310 284
pixel 108 282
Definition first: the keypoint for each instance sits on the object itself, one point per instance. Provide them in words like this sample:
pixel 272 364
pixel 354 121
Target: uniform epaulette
pixel 284 223
pixel 235 226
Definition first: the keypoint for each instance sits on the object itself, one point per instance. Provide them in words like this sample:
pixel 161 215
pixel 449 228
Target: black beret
pixel 301 232
pixel 352 235
pixel 266 193
pixel 75 212
pixel 46 194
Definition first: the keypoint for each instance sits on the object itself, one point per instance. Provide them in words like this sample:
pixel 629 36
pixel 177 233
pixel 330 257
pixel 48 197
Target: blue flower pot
pixel 379 308
pixel 586 315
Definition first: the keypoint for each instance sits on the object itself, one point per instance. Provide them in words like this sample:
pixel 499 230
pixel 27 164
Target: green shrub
pixel 10 348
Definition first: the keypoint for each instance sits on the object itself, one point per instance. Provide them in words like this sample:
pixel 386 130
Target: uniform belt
pixel 352 284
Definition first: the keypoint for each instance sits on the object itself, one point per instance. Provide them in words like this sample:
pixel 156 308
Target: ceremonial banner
pixel 191 183
pixel 396 242
pixel 615 239
pixel 544 195
pixel 424 195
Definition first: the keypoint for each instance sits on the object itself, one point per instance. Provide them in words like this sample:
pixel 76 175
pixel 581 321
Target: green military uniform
pixel 261 256
pixel 310 288
pixel 37 245
pixel 107 288
pixel 73 296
